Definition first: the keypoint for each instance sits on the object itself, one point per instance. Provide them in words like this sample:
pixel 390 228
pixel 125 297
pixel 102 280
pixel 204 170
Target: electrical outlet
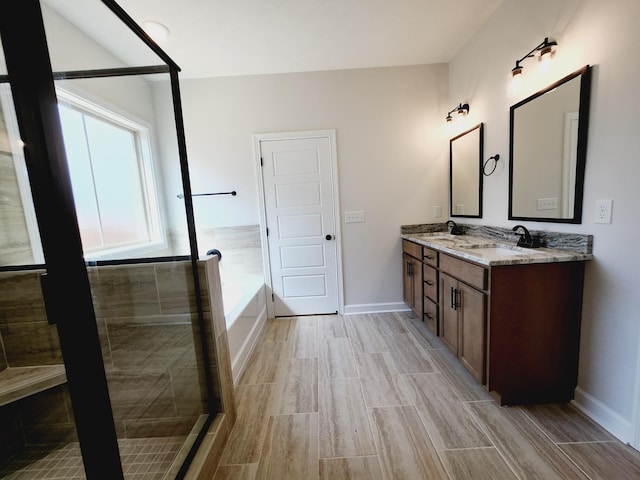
pixel 437 211
pixel 354 217
pixel 603 211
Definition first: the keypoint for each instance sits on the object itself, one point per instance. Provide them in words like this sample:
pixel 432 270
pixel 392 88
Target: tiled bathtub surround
pixel 240 246
pixel 575 242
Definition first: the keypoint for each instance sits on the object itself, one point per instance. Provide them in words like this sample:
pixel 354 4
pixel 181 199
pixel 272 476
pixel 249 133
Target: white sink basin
pixel 496 250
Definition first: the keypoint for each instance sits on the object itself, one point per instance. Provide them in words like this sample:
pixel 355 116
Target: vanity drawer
pixel 429 256
pixel 431 315
pixel 412 249
pixel 430 277
pixel 474 275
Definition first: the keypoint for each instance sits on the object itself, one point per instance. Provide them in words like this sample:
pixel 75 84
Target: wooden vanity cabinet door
pixel 448 313
pixel 472 319
pixel 407 280
pixel 412 279
pixel 418 306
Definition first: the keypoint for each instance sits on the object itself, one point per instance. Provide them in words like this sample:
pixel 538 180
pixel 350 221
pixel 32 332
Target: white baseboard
pixel 611 421
pixel 240 359
pixel 376 308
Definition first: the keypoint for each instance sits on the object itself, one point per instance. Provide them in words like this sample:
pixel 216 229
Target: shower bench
pixel 20 382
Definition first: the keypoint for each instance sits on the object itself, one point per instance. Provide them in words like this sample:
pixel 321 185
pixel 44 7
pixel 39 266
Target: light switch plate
pixel 437 211
pixel 603 211
pixel 356 216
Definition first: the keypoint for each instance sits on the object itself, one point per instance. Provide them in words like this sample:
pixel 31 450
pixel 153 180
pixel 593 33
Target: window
pixel 109 160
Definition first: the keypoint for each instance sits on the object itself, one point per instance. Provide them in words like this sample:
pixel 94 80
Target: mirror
pixel 465 173
pixel 547 146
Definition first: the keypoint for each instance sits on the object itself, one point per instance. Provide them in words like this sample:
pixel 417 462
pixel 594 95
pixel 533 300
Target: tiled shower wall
pixel 15 246
pixel 148 328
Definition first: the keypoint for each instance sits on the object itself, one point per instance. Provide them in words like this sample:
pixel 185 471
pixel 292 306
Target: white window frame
pixel 146 165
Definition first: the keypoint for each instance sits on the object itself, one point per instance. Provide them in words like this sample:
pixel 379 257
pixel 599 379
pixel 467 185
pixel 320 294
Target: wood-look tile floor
pixel 378 397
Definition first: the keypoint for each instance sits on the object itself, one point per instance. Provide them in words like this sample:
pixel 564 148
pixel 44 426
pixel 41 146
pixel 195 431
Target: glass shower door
pixel 107 267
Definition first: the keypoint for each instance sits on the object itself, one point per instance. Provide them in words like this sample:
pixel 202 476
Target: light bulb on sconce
pixel 462 110
pixel 544 51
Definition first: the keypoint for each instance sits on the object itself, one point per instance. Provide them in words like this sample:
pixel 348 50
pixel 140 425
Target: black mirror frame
pixel 480 126
pixel 581 154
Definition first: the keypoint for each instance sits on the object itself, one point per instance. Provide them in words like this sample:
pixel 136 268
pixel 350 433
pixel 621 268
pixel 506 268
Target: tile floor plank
pixel 408 356
pixel 449 423
pixel 264 363
pixel 605 460
pixel 380 379
pixel 388 324
pixel 364 336
pixel 564 423
pixel 353 468
pixel 526 449
pixel 255 403
pixel 476 464
pixel 305 342
pixel 405 450
pixel 291 448
pixel 331 326
pixel 236 472
pixel 297 387
pixel 344 426
pixel 336 359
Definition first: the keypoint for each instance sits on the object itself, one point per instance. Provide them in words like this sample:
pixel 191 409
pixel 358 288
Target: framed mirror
pixel 548 148
pixel 465 173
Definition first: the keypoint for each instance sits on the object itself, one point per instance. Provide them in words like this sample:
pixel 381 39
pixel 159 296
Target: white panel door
pixel 299 211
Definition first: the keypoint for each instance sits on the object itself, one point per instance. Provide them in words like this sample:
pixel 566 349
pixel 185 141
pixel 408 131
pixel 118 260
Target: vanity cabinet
pixel 463 319
pixel 514 327
pixel 412 276
pixel 512 319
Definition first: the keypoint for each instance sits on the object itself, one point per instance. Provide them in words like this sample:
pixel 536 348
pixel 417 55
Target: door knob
pixel 329 237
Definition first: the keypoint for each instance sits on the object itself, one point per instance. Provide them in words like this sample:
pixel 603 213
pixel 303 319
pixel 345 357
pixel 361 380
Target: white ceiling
pixel 245 37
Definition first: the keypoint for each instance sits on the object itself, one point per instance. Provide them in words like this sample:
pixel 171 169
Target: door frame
pixel 329 134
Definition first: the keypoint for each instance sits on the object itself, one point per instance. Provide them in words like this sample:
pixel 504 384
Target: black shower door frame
pixel 66 283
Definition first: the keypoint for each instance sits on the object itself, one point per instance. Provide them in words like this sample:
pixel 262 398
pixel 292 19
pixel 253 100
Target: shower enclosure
pixel 107 368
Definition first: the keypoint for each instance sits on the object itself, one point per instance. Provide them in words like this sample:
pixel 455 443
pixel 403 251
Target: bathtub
pixel 245 312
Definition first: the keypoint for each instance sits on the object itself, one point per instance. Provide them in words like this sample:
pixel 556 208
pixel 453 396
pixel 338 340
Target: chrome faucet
pixel 455 228
pixel 526 240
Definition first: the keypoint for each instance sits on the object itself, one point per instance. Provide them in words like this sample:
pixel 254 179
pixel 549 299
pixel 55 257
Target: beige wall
pixel 392 155
pixel 603 34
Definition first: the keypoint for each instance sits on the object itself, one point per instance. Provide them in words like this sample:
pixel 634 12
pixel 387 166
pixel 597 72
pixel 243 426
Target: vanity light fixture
pixel 462 110
pixel 543 51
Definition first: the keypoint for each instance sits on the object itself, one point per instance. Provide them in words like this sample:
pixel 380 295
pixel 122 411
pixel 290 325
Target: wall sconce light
pixel 462 110
pixel 543 51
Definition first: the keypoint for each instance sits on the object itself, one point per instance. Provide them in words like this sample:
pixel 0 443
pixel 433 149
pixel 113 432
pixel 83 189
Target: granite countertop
pixel 492 251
